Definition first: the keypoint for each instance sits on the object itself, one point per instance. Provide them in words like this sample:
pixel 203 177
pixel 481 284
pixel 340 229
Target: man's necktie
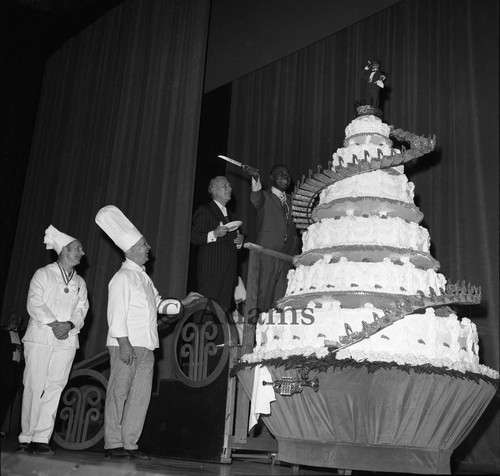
pixel 284 204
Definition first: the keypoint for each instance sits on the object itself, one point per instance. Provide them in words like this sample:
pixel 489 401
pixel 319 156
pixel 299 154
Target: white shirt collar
pixel 278 192
pixel 131 264
pixel 222 208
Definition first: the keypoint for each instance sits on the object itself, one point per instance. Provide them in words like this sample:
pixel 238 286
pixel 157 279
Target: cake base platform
pixel 384 420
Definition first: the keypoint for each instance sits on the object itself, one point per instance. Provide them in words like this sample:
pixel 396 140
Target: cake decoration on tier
pixel 366 286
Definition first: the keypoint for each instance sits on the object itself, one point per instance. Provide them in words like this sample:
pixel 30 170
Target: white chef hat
pixel 56 240
pixel 118 227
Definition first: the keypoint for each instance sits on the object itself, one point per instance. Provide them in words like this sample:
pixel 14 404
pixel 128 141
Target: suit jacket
pixel 220 257
pixel 370 91
pixel 274 230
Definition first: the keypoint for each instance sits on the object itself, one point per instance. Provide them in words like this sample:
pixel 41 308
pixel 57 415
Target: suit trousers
pixel 218 288
pixel 273 282
pixel 45 376
pixel 127 398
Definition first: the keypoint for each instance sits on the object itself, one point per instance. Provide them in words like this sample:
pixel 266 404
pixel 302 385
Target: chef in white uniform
pixel 57 305
pixel 133 307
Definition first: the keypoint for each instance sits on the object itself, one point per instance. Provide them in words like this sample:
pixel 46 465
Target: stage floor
pixel 87 463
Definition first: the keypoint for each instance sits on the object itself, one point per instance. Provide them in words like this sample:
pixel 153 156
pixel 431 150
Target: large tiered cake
pixel 366 286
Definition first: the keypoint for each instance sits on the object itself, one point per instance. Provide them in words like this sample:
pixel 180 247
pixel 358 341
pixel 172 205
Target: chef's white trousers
pixel 45 376
pixel 127 398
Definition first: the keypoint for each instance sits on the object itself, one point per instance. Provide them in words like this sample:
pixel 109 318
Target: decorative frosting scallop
pixel 348 155
pixel 378 183
pixel 379 277
pixel 355 230
pixel 311 326
pixel 367 125
pixel 424 338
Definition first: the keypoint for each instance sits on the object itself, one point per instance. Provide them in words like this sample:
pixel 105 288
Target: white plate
pixel 233 225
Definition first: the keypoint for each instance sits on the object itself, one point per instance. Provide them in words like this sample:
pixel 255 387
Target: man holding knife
pixel 275 230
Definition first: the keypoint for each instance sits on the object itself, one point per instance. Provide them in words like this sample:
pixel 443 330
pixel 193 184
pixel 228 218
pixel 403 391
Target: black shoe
pixel 136 454
pixel 23 448
pixel 115 453
pixel 41 449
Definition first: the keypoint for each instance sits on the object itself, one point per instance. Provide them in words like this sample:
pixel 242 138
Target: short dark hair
pixel 276 166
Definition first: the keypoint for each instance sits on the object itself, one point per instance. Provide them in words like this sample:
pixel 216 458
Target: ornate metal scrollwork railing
pixel 200 350
pixel 197 347
pixel 81 411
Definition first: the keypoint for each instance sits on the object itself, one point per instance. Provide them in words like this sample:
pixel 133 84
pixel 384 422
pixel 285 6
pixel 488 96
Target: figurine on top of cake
pixel 372 84
pixel 366 286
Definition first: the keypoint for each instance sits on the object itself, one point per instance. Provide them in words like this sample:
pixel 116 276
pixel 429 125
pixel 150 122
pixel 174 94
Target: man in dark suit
pixel 276 231
pixel 373 82
pixel 217 253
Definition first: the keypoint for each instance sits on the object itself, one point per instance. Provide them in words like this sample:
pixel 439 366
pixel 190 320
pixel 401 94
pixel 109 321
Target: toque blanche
pixel 118 227
pixel 56 240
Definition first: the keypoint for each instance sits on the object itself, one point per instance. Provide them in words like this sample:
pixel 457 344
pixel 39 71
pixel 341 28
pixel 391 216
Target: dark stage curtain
pixel 117 124
pixel 441 61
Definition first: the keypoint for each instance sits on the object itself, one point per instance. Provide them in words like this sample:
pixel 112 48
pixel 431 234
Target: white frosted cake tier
pixel 367 206
pixel 416 339
pixel 381 277
pixel 420 339
pixel 371 253
pixel 355 230
pixel 423 336
pixel 307 330
pixel 353 153
pixel 378 183
pixel 367 125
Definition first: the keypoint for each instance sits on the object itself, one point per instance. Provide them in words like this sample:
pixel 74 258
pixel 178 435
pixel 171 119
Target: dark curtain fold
pixel 441 61
pixel 117 124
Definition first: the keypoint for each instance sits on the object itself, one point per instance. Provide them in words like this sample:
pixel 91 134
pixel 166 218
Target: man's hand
pixel 60 329
pixel 252 171
pixel 192 296
pixel 238 241
pixel 256 185
pixel 220 231
pixel 127 353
